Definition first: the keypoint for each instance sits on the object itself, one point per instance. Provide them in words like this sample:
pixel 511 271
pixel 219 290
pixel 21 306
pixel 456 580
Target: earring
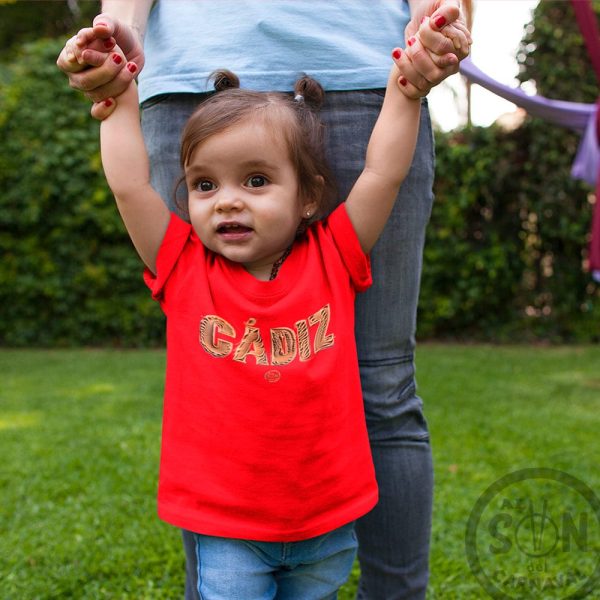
pixel 308 214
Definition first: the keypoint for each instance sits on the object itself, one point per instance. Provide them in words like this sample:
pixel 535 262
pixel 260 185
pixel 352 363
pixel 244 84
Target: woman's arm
pixel 127 170
pixel 389 156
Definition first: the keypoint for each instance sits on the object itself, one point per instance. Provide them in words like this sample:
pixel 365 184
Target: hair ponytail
pixel 224 80
pixel 309 91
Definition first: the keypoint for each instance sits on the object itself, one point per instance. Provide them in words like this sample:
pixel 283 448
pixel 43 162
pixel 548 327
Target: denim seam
pixel 385 362
pixel 198 566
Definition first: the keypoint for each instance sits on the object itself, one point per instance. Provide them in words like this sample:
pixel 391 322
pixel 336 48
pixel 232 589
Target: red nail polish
pixel 403 81
pixel 440 21
pixel 108 103
pixel 397 54
pixel 109 44
pixel 131 67
pixel 411 41
pixel 117 58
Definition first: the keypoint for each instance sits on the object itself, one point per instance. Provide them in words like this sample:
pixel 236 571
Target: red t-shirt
pixel 264 434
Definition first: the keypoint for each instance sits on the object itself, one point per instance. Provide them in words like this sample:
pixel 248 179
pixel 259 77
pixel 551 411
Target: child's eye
pixel 205 185
pixel 256 181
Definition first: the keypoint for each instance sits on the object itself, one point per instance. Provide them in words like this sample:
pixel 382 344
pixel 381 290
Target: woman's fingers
pixel 411 82
pixel 101 110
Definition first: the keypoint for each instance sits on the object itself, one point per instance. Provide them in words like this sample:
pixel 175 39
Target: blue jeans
pixel 314 569
pixel 394 537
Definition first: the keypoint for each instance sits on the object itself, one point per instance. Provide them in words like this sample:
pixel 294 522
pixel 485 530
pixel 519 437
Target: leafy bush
pixel 503 259
pixel 69 274
pixel 508 242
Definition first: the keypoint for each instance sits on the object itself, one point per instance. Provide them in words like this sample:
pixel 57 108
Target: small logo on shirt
pixel 273 376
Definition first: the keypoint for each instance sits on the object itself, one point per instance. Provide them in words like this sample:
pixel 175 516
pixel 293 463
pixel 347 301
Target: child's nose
pixel 228 199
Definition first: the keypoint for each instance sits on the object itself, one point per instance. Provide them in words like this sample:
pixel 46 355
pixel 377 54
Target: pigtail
pixel 309 91
pixel 224 80
pixel 318 184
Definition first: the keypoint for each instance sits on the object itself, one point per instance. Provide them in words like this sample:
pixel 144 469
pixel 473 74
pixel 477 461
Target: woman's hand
pixel 102 60
pixel 437 39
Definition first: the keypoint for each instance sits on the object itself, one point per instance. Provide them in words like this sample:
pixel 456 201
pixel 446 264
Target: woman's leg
pixel 394 537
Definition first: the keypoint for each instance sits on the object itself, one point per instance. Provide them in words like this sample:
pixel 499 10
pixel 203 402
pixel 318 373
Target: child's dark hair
pixel 295 116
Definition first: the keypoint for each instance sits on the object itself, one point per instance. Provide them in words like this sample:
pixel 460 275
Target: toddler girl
pixel 265 454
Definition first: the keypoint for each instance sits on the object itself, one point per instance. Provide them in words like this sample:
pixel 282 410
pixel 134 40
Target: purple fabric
pixel 587 160
pixel 574 115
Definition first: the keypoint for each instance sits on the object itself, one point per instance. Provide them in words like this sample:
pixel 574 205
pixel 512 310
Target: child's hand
pixel 455 32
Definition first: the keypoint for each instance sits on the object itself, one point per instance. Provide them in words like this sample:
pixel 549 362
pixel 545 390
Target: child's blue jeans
pixel 312 569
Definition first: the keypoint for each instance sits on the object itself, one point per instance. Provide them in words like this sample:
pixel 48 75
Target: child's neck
pixel 269 272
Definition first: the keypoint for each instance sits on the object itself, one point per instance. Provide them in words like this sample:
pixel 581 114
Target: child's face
pixel 243 196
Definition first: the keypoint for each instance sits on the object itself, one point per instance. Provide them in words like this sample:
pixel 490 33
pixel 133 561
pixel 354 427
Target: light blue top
pixel 345 45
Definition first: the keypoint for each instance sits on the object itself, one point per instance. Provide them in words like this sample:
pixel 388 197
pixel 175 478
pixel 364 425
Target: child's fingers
pixel 94 58
pixel 431 65
pixel 67 59
pixel 463 27
pixel 101 110
pixel 100 45
pixel 459 39
pixel 443 42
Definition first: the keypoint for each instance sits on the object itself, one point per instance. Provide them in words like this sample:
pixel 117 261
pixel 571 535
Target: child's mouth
pixel 233 230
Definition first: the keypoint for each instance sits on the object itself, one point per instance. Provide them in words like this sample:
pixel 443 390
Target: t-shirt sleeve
pixel 357 263
pixel 176 236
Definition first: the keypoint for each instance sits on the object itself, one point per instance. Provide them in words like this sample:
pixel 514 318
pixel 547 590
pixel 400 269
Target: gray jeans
pixel 393 537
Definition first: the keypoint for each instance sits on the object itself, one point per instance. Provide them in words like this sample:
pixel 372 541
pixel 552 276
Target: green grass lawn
pixel 79 445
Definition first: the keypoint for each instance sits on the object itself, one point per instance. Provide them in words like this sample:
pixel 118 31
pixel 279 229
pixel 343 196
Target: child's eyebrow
pixel 259 163
pixel 252 163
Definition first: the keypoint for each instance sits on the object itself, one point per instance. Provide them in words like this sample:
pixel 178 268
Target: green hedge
pixel 505 251
pixel 68 273
pixel 503 259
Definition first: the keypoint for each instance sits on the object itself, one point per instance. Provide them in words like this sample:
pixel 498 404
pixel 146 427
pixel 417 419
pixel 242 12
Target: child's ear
pixel 311 205
pixel 309 209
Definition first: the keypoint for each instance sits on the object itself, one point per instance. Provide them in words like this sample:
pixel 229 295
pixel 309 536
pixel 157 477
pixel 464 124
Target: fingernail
pixel 131 67
pixel 440 21
pixel 108 103
pixel 411 41
pixel 100 24
pixel 397 54
pixel 456 43
pixel 117 58
pixel 109 44
pixel 403 81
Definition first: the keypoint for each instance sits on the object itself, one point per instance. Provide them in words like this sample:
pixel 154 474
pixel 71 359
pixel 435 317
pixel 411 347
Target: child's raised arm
pixel 127 170
pixel 389 156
